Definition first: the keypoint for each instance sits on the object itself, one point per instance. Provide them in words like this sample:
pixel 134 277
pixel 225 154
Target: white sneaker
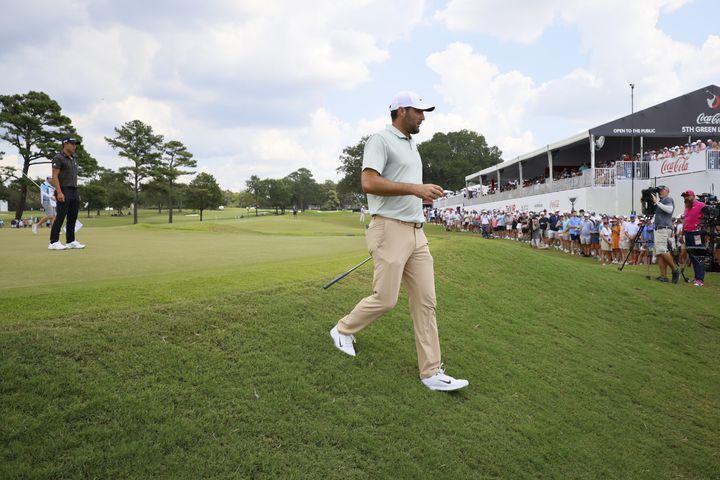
pixel 75 244
pixel 444 383
pixel 34 228
pixel 344 343
pixel 57 246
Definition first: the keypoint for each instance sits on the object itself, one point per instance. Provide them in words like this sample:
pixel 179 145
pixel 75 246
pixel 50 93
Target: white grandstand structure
pixel 594 171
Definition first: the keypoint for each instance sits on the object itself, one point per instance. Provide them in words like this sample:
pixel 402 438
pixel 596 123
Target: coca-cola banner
pixel 694 162
pixel 694 114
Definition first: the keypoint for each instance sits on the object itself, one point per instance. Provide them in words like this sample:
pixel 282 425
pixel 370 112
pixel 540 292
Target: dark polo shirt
pixel 68 170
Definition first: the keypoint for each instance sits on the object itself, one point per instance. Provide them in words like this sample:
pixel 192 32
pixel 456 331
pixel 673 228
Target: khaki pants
pixel 401 255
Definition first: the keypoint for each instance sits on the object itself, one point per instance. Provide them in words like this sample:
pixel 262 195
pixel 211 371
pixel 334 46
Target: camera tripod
pixel 675 252
pixel 648 255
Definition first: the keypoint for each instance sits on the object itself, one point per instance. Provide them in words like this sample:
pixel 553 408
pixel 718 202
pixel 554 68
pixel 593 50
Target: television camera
pixel 646 200
pixel 710 213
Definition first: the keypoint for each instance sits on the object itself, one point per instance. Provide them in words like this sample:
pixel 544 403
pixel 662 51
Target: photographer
pixel 693 234
pixel 664 241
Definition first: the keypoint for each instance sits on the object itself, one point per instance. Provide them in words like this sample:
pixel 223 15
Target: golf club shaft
pixel 341 276
pixel 31 180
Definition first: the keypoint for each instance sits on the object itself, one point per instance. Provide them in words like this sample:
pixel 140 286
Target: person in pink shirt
pixel 693 234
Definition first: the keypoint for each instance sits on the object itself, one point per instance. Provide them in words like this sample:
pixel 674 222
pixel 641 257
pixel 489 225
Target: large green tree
pixel 304 187
pixel 173 163
pixel 154 193
pixel 179 196
pixel 245 199
pixel 348 188
pixel 449 157
pixel 95 195
pixel 258 188
pixel 203 193
pixel 119 192
pixel 329 198
pixel 34 124
pixel 230 198
pixel 279 194
pixel 14 190
pixel 138 143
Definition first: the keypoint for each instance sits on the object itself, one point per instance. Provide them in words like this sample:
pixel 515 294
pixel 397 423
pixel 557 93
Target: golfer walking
pixel 392 178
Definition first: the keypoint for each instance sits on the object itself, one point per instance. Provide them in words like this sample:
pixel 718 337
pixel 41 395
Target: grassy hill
pixel 202 350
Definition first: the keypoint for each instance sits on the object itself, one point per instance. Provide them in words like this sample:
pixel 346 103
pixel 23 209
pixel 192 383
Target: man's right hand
pixel 429 191
pixel 61 197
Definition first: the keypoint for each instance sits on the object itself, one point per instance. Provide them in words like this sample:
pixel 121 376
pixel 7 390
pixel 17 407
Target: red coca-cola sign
pixel 674 165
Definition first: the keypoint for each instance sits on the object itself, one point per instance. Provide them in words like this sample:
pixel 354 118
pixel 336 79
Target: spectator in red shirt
pixel 693 235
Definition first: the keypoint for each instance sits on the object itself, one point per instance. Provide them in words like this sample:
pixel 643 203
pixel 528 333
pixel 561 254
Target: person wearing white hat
pixel 392 179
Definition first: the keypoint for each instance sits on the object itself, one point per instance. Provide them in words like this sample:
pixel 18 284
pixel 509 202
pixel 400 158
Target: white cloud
pixel 512 20
pixel 482 97
pixel 623 43
pixel 233 80
pixel 577 93
pixel 244 83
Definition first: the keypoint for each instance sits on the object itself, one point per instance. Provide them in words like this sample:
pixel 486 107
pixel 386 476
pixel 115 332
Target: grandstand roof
pixel 694 114
pixel 685 115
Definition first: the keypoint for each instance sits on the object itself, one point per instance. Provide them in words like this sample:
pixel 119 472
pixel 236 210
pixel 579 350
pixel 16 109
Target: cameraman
pixel 693 234
pixel 664 240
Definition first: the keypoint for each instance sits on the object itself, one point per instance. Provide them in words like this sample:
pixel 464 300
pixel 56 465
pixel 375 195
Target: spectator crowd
pixel 686 149
pixel 607 239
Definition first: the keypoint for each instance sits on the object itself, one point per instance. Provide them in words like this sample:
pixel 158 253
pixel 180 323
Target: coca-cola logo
pixel 674 165
pixel 704 119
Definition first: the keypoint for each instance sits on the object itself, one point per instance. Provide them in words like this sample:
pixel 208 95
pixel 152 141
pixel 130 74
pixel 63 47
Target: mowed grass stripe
pixel 573 375
pixel 133 251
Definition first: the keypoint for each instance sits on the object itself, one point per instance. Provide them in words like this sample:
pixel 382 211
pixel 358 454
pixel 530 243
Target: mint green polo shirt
pixel 395 157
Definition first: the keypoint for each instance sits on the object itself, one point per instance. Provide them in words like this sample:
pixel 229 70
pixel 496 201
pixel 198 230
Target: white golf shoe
pixel 75 244
pixel 444 383
pixel 34 228
pixel 344 343
pixel 56 246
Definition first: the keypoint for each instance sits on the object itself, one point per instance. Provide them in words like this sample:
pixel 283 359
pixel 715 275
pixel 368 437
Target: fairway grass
pixel 202 351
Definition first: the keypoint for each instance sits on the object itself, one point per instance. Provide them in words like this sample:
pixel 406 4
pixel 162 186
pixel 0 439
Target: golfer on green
pixel 392 179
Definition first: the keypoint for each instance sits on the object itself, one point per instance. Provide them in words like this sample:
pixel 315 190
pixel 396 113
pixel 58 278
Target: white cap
pixel 409 99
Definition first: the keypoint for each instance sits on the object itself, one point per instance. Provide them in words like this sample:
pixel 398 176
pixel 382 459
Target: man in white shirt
pixel 629 230
pixel 392 178
pixel 485 224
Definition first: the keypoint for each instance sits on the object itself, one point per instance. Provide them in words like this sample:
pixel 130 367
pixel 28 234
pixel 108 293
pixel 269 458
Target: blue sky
pixel 264 87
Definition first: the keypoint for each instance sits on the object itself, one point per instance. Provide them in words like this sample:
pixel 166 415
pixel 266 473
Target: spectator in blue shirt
pixel 574 225
pixel 648 235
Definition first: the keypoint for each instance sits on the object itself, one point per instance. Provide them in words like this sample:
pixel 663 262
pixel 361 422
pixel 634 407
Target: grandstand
pixel 676 143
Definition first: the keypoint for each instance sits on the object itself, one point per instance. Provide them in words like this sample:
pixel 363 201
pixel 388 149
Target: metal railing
pixel 605 177
pixel 624 170
pixel 580 181
pixel 599 177
pixel 713 160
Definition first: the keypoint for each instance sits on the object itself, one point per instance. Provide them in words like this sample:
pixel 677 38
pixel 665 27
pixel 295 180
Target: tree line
pixel 34 125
